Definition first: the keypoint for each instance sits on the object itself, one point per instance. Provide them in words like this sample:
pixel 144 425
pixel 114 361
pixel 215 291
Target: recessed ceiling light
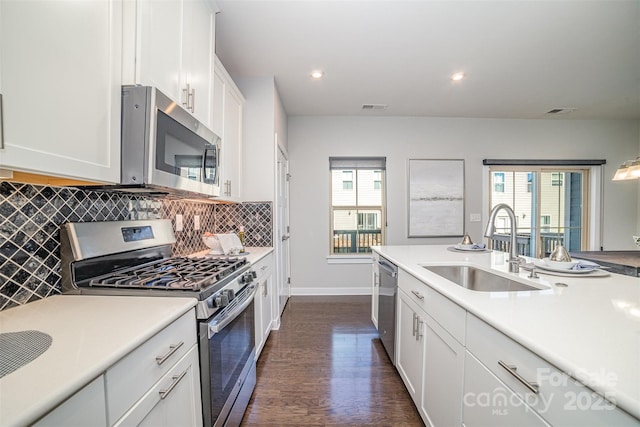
pixel 317 74
pixel 457 76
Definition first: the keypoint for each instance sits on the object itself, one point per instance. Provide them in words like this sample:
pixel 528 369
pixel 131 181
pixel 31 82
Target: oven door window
pixel 229 351
pixel 179 151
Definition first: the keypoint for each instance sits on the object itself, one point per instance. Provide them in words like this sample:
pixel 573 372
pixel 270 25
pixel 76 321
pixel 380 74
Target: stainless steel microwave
pixel 164 148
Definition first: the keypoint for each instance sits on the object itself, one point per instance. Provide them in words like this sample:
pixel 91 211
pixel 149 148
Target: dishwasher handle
pixel 388 267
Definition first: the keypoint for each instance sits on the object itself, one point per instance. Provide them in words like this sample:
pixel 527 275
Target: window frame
pixel 358 209
pixel 591 193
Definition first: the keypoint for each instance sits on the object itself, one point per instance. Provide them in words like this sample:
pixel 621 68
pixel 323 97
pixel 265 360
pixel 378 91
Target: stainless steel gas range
pixel 134 258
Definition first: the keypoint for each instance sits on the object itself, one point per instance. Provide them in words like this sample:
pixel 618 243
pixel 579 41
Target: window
pixel 347 180
pixel 377 180
pixel 498 182
pixel 549 204
pixel 556 179
pixel 357 204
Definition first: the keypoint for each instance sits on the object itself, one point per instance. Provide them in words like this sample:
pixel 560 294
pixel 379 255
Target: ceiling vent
pixel 561 111
pixel 374 106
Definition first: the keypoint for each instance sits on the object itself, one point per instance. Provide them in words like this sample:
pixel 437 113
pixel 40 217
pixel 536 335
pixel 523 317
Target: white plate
pixel 467 248
pixel 560 265
pixel 541 264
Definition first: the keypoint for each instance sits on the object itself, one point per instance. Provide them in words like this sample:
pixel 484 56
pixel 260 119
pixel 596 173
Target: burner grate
pixel 179 273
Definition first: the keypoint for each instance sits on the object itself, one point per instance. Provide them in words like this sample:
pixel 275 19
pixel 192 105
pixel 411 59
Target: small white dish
pixel 560 265
pixel 587 267
pixel 465 247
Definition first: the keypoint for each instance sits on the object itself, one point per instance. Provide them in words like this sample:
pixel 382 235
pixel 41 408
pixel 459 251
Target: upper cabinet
pixel 227 123
pixel 170 45
pixel 60 79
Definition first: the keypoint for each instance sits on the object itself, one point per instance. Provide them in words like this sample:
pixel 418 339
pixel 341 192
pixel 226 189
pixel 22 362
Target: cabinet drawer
pixel 172 401
pixel 134 375
pixel 559 399
pixel 447 313
pixel 263 266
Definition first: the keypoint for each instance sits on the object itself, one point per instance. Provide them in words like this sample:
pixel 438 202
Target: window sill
pixel 349 259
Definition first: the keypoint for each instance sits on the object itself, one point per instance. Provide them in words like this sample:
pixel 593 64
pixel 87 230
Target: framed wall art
pixel 436 198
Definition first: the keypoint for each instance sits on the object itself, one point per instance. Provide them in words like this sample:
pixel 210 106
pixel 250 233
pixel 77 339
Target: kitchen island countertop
pixel 589 329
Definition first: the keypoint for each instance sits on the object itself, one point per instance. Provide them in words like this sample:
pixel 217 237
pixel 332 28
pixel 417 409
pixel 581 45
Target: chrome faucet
pixel 514 259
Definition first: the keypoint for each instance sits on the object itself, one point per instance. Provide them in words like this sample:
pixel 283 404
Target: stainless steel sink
pixel 476 279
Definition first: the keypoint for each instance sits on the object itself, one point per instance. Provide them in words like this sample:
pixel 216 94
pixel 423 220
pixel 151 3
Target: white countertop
pixel 90 334
pixel 590 329
pixel 253 253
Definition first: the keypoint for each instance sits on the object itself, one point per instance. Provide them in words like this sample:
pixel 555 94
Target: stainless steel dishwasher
pixel 387 306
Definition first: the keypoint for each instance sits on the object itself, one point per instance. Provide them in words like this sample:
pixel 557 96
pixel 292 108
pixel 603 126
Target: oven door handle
pixel 216 326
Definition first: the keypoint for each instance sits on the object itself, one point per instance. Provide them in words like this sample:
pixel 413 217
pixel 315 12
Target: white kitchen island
pixel 588 329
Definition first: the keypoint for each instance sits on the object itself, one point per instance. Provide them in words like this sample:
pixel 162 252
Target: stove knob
pixel 229 293
pixel 248 277
pixel 221 300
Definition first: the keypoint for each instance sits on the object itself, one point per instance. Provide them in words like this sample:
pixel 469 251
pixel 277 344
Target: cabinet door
pixel 217 119
pixel 375 291
pixel 409 346
pixel 159 48
pixel 172 401
pixel 443 368
pixel 197 59
pixel 85 408
pixel 488 402
pixel 232 144
pixel 61 87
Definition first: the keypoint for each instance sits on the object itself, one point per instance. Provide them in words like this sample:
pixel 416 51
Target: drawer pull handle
pixel 176 380
pixel 413 332
pixel 418 295
pixel 512 369
pixel 172 349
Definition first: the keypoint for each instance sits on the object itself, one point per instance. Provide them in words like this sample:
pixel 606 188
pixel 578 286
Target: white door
pixel 282 228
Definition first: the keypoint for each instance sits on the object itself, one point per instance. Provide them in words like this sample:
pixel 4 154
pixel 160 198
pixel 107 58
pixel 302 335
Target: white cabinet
pixel 409 345
pixel 544 389
pixel 430 360
pixel 227 123
pixel 86 407
pixel 264 301
pixel 159 380
pixel 60 79
pixel 173 400
pixel 173 50
pixel 488 402
pixel 375 289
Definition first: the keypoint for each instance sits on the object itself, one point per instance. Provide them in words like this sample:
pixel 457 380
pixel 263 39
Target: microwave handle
pixel 216 149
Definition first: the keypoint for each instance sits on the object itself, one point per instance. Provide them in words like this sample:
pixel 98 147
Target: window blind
pixel 374 163
pixel 543 162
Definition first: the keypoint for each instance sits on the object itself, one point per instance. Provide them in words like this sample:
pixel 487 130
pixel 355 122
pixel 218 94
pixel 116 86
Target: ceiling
pixel 520 58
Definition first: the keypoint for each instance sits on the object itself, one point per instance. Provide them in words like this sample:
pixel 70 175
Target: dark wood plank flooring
pixel 326 367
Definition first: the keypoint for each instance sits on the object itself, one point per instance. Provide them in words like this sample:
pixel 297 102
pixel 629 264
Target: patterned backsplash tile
pixel 30 219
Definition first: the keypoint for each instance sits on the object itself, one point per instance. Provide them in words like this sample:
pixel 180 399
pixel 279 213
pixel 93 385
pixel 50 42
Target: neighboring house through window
pixel 357 204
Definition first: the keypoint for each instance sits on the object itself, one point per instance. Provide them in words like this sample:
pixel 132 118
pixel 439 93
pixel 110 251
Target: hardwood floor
pixel 326 367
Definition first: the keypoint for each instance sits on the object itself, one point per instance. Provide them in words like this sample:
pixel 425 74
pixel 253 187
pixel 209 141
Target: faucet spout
pixel 514 260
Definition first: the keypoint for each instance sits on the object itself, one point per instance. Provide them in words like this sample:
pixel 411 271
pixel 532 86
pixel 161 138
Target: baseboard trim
pixel 331 291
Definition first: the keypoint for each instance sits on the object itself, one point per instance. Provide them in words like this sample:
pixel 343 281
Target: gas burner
pixel 181 273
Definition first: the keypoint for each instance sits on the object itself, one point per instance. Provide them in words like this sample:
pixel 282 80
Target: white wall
pixel 313 139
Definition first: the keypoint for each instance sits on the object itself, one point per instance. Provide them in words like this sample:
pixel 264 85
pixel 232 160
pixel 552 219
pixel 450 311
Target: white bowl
pixel 560 265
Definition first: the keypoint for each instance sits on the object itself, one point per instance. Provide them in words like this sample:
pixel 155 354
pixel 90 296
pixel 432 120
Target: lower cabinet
pixel 375 289
pixel 157 384
pixel 264 301
pixel 488 402
pixel 431 363
pixel 172 401
pixel 85 408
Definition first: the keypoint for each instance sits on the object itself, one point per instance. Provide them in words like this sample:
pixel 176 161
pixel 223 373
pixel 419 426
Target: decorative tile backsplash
pixel 30 219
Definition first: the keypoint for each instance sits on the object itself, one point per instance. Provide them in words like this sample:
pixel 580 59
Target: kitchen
pixel 309 140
